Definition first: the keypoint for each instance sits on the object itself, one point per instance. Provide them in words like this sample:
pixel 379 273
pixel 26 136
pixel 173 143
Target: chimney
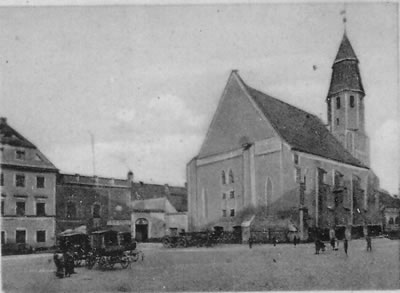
pixel 3 120
pixel 130 176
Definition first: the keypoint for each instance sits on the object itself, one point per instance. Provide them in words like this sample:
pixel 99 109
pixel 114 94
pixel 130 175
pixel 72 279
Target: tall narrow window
pixel 20 180
pixel 96 211
pixel 223 178
pixel 3 237
pixel 2 207
pixel 232 194
pixel 1 179
pixel 40 209
pixel 20 208
pixel 338 103
pixel 352 101
pixel 232 213
pixel 349 141
pixel 20 236
pixel 39 182
pixel 337 121
pixel 71 210
pixel 231 179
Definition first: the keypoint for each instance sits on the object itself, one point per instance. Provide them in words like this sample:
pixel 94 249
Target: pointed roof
pixel 301 130
pixel 10 136
pixel 345 71
pixel 345 51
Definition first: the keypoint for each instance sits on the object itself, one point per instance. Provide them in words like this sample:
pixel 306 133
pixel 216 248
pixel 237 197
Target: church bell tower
pixel 345 101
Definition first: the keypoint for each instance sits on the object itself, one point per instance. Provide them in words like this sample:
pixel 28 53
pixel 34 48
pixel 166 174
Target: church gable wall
pixel 235 123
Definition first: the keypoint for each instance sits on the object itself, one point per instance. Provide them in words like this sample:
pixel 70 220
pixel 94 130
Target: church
pixel 267 164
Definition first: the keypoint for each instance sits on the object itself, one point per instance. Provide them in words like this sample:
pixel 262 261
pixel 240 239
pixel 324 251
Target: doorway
pixel 142 230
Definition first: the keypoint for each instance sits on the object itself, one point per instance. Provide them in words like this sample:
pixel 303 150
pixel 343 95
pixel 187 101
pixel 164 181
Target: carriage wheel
pixel 125 261
pixel 181 243
pixel 134 256
pixel 167 242
pixel 90 261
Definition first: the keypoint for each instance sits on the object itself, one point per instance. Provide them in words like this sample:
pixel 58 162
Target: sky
pixel 145 80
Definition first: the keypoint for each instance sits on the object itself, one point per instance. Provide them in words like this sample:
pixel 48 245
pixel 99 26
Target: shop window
pixel 40 236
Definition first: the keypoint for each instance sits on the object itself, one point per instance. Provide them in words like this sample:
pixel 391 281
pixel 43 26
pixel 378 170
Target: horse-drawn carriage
pixel 110 247
pixel 75 241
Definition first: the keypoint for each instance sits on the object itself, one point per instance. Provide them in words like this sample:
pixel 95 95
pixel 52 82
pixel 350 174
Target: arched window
pixel 71 210
pixel 391 222
pixel 268 192
pixel 231 178
pixel 96 210
pixel 338 103
pixel 223 178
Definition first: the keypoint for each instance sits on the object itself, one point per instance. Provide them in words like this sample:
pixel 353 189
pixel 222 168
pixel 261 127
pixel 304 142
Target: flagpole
pixel 93 153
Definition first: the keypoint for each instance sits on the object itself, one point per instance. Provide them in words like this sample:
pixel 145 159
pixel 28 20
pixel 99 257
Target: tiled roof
pixel 303 131
pixel 345 71
pixel 345 51
pixel 10 136
pixel 388 201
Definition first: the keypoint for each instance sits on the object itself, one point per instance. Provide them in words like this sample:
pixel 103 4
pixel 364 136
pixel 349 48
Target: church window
pixel 223 178
pixel 298 175
pixel 296 159
pixel 338 103
pixel 352 101
pixel 231 178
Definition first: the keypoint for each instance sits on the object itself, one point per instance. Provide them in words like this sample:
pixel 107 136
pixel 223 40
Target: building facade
pixel 28 191
pixel 266 157
pixel 99 202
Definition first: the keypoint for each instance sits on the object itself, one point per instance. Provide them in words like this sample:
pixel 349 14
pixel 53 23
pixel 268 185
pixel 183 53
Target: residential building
pixel 28 191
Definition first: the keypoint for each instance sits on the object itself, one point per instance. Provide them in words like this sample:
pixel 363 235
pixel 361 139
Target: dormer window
pixel 338 103
pixel 20 155
pixel 352 101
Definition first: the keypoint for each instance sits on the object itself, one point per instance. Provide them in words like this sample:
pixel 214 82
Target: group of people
pixel 64 261
pixel 319 245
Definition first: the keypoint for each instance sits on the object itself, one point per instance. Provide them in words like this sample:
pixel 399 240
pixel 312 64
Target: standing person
pixel 274 241
pixel 333 243
pixel 346 245
pixel 250 242
pixel 369 244
pixel 317 247
pixel 295 241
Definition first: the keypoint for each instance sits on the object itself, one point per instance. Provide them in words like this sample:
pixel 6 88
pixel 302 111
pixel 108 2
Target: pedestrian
pixel 333 243
pixel 317 246
pixel 345 245
pixel 274 241
pixel 369 244
pixel 250 242
pixel 295 241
